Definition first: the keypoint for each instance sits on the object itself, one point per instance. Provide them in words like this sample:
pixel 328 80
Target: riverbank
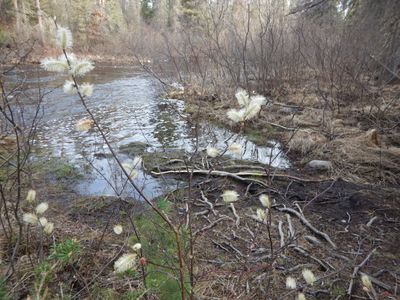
pixel 327 226
pixel 340 222
pixel 361 141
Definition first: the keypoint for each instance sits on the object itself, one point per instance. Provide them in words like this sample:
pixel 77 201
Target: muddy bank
pixel 359 150
pixel 327 226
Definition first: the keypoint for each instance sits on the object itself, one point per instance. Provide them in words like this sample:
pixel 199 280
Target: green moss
pixel 155 159
pixel 134 148
pixel 56 168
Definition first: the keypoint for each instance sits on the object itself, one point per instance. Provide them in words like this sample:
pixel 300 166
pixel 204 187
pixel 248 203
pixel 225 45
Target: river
pixel 127 103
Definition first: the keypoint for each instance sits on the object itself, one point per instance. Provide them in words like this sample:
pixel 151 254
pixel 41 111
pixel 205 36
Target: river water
pixel 127 104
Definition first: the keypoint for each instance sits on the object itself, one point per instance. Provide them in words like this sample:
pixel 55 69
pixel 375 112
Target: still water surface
pixel 127 104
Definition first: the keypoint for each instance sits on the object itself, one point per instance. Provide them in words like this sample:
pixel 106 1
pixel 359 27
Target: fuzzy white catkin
pixel 308 276
pixel 48 228
pixel 261 215
pixel 86 89
pixel 41 208
pixel 31 196
pixel 212 152
pixel 250 106
pixel 264 199
pixel 291 283
pixel 64 38
pixel 242 97
pixel 258 100
pixel 230 196
pixel 125 262
pixel 71 58
pixel 252 110
pixel 54 65
pixel 30 218
pixel 137 247
pixel 235 148
pixel 43 221
pixel 236 115
pixel 80 67
pixel 69 87
pixel 118 229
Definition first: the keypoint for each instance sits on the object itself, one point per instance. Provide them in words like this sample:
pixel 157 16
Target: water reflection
pixel 126 104
pixel 165 125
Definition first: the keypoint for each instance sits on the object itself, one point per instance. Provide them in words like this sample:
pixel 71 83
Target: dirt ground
pixel 356 203
pixel 232 257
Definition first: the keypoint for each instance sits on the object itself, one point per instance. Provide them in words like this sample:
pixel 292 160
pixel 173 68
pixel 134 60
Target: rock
pixel 320 165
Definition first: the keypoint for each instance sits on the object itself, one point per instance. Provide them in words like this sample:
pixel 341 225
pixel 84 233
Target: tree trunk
pixel 17 18
pixel 24 13
pixel 40 21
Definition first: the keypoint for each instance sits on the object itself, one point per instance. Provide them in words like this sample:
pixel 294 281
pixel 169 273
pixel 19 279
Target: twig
pixel 235 214
pixel 356 270
pixel 378 282
pixel 281 234
pixel 234 175
pixel 323 264
pixel 211 225
pixel 281 127
pixel 290 225
pixel 205 200
pixel 217 173
pixel 372 221
pixel 308 224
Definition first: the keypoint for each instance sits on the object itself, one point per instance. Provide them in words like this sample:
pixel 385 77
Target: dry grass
pixel 365 161
pixel 305 141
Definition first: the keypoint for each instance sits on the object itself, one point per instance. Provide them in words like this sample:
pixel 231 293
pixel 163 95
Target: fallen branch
pixel 281 234
pixel 326 266
pixel 211 225
pixel 372 221
pixel 237 175
pixel 291 229
pixel 205 200
pixel 356 270
pixel 224 246
pixel 378 282
pixel 235 214
pixel 308 224
pixel 281 127
pixel 214 173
